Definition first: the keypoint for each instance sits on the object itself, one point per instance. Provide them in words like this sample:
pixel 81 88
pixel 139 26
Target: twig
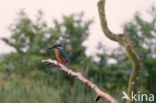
pixel 126 43
pixel 99 92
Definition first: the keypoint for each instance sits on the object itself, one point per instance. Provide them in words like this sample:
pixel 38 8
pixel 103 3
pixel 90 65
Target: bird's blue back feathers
pixel 64 55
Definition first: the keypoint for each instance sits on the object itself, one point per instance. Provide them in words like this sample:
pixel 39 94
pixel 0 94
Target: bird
pixel 60 54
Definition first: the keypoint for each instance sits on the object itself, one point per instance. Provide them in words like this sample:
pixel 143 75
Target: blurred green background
pixel 24 79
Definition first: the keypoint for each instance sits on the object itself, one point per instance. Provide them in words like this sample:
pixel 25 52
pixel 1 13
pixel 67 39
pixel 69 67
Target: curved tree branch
pixel 99 92
pixel 126 43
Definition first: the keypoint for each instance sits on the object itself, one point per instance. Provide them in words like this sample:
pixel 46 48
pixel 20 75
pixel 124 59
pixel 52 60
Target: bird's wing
pixel 63 54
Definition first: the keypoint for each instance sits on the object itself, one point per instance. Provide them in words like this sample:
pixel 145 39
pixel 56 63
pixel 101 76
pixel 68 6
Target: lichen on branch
pixel 123 41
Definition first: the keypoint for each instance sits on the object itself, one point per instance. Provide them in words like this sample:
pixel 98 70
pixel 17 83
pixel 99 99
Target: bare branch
pixel 99 92
pixel 125 42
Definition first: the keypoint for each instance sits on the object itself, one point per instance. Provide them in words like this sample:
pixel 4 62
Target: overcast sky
pixel 117 11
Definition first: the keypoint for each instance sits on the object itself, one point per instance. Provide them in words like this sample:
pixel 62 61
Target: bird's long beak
pixel 51 47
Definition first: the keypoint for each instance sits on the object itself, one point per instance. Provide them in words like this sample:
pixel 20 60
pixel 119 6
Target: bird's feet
pixel 48 63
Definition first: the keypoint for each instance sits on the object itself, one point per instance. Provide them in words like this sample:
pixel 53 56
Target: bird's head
pixel 56 46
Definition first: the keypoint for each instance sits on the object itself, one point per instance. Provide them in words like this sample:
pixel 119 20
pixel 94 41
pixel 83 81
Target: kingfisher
pixel 60 54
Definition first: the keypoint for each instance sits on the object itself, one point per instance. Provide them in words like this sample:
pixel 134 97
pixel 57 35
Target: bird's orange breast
pixel 59 57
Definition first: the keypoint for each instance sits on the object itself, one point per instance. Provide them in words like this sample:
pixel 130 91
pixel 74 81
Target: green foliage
pixel 26 90
pixel 31 40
